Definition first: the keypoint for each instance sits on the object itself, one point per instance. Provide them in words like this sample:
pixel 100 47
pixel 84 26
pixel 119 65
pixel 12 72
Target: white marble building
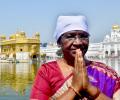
pixel 111 43
pixel 109 48
pixel 95 51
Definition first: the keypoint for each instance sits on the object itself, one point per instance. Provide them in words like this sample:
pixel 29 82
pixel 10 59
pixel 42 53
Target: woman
pixel 73 77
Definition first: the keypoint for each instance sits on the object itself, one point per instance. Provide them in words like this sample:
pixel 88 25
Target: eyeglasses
pixel 73 37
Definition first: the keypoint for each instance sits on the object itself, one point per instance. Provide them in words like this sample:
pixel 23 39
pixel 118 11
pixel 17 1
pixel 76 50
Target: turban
pixel 69 23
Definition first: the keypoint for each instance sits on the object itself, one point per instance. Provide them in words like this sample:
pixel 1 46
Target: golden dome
pixel 115 27
pixel 12 36
pixel 2 37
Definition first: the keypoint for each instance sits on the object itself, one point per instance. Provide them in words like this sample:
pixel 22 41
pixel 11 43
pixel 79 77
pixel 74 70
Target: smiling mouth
pixel 73 51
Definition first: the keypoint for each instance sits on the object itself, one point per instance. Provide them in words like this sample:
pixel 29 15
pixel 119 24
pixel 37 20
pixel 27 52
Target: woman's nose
pixel 77 41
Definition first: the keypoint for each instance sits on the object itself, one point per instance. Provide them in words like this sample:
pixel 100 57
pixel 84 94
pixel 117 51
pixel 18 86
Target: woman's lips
pixel 73 51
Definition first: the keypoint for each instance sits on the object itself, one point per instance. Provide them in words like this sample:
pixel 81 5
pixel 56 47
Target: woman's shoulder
pixel 49 62
pixel 104 68
pixel 49 65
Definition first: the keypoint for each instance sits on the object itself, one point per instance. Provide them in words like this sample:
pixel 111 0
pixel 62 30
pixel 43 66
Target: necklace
pixel 65 68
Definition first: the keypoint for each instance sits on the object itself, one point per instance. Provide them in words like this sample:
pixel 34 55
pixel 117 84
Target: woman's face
pixel 72 40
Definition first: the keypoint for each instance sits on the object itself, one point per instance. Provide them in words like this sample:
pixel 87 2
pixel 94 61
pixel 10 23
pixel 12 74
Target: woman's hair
pixel 59 41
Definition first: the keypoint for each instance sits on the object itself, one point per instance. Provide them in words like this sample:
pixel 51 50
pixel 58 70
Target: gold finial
pixel 114 27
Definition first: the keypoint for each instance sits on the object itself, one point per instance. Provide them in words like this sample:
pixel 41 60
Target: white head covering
pixel 68 23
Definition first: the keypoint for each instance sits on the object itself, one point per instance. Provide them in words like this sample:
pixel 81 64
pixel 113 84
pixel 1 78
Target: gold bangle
pixel 75 91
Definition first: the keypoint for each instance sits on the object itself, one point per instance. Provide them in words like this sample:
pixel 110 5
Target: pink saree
pixel 50 83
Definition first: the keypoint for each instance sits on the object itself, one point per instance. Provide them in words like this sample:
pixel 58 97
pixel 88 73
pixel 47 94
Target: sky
pixel 33 16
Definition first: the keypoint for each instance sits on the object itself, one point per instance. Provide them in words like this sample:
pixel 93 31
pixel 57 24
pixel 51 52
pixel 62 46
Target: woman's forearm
pixel 103 97
pixel 67 95
pixel 71 93
pixel 97 94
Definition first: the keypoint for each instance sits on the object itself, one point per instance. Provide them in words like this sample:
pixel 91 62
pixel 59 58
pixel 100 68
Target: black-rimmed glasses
pixel 73 37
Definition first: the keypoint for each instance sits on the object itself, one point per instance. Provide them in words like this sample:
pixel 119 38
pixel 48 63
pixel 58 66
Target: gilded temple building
pixel 20 47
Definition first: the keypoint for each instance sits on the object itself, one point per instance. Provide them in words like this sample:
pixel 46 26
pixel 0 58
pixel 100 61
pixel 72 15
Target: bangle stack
pixel 83 93
pixel 77 93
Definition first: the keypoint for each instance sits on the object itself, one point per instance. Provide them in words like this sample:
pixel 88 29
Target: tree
pixel 43 56
pixel 59 53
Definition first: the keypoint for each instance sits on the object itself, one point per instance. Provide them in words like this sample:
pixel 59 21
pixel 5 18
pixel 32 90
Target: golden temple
pixel 20 47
